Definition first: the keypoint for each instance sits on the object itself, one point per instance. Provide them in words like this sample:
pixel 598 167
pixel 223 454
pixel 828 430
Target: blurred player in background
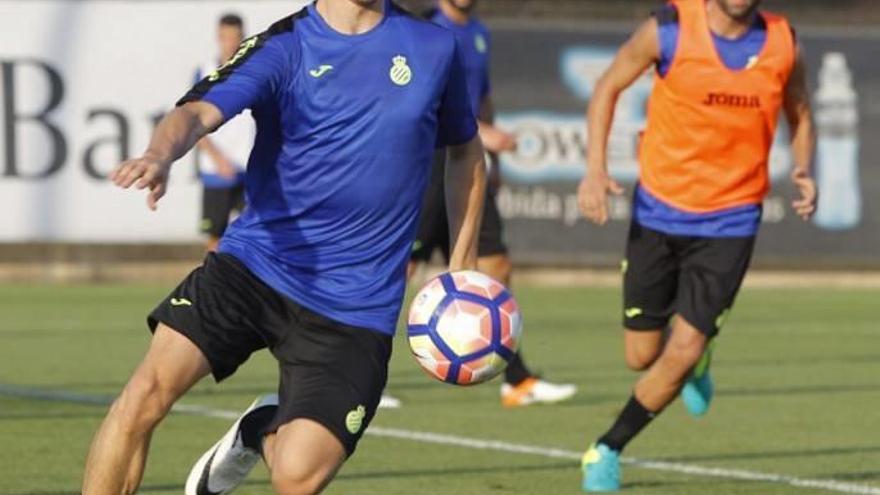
pixel 223 156
pixel 315 267
pixel 521 387
pixel 724 71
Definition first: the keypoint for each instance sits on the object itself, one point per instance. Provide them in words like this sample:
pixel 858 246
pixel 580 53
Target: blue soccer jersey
pixel 475 44
pixel 346 129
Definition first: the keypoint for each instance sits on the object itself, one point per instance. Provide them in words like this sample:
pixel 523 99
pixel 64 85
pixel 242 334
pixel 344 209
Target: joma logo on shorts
pixel 729 100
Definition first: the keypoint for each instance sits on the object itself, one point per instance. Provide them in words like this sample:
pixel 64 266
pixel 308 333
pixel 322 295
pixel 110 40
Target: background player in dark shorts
pixel 697 207
pixel 521 386
pixel 222 157
pixel 314 268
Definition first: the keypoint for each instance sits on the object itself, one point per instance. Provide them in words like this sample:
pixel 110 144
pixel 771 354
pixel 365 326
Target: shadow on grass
pixel 798 390
pixel 53 416
pixel 343 478
pixel 857 476
pixel 797 360
pixel 167 487
pixel 418 473
pixel 781 454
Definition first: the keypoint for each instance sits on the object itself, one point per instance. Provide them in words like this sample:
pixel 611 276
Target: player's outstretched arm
pixel 494 139
pixel 803 139
pixel 633 59
pixel 175 135
pixel 465 193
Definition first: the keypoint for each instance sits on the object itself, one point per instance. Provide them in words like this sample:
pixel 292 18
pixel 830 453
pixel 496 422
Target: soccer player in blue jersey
pixel 521 387
pixel 350 98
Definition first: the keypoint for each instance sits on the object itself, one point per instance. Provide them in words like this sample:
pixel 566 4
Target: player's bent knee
pixel 683 356
pixel 637 361
pixel 296 482
pixel 143 403
pixel 642 348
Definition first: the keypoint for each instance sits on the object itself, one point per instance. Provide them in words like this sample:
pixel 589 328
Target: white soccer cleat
pixel 225 465
pixel 389 402
pixel 535 391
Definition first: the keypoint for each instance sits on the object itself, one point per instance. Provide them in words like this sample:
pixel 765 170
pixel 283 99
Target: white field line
pixel 478 444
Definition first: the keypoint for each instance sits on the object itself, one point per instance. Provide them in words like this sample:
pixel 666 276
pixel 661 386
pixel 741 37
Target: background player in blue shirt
pixel 223 157
pixel 521 387
pixel 350 99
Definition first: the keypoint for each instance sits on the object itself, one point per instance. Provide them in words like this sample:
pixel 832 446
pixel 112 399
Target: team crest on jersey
pixel 481 44
pixel 400 73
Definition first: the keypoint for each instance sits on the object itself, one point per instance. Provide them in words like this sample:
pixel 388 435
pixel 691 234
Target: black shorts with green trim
pixel 330 372
pixel 696 278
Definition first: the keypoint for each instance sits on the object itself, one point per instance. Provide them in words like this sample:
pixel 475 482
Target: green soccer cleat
pixel 601 469
pixel 698 389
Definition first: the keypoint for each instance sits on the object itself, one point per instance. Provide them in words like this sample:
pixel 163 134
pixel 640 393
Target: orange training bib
pixel 710 128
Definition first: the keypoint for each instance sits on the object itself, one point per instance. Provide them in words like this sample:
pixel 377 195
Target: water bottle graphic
pixel 837 118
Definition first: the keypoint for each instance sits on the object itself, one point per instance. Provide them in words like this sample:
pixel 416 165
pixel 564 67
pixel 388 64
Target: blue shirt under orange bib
pixel 652 212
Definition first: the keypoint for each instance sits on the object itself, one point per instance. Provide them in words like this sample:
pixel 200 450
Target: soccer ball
pixel 464 327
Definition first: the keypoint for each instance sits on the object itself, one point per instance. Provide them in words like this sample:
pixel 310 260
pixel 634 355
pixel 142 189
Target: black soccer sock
pixel 631 421
pixel 516 371
pixel 253 427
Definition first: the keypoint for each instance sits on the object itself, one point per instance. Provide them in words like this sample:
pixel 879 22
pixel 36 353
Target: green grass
pixel 797 374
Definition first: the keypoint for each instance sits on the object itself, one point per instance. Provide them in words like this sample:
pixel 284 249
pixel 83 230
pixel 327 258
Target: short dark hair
pixel 233 20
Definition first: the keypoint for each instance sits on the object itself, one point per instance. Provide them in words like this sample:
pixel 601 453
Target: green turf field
pixel 798 376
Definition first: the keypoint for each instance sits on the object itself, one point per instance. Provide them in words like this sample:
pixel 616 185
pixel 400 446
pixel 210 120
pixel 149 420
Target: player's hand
pixel 146 172
pixel 593 196
pixel 496 140
pixel 226 169
pixel 805 205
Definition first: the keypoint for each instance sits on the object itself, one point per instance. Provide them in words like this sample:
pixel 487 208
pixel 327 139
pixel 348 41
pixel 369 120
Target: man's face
pixel 740 10
pixel 366 3
pixel 229 37
pixel 463 5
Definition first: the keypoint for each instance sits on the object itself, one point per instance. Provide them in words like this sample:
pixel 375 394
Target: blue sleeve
pixel 254 74
pixel 667 32
pixel 486 86
pixel 457 123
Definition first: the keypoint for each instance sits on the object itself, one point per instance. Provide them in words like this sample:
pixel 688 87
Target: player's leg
pixel 217 204
pixel 117 456
pixel 642 347
pixel 521 386
pixel 197 330
pixel 326 405
pixel 662 382
pixel 332 377
pixel 653 392
pixel 650 284
pixel 303 457
pixel 712 273
pixel 499 267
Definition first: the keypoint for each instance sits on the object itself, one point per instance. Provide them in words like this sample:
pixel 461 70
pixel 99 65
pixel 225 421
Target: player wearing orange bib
pixel 724 72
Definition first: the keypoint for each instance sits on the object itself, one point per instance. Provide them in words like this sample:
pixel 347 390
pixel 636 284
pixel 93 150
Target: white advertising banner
pixel 82 84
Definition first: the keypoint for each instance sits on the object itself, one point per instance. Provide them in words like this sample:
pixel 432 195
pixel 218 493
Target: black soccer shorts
pixel 696 278
pixel 331 373
pixel 218 204
pixel 433 230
